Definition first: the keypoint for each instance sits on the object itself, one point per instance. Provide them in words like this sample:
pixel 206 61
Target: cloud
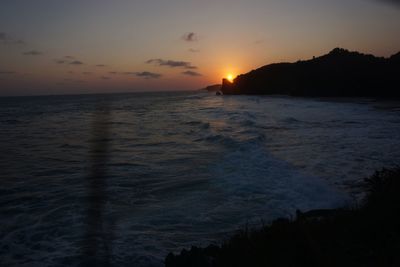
pixel 148 75
pixel 113 72
pixel 190 37
pixel 86 73
pixel 101 65
pixel 7 72
pixel 67 60
pixel 76 62
pixel 171 63
pixel 105 78
pixel 191 73
pixel 9 40
pixel 69 57
pixel 194 50
pixel 32 53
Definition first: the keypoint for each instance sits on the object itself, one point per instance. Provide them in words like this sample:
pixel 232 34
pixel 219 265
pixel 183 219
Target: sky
pixel 97 46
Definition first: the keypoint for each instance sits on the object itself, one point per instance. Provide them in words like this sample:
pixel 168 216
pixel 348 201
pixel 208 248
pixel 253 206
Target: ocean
pixel 124 179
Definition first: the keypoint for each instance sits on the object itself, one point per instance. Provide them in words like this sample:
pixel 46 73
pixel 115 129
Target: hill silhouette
pixel 340 73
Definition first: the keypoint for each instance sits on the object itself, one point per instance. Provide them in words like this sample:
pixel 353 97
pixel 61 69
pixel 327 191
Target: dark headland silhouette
pixel 340 73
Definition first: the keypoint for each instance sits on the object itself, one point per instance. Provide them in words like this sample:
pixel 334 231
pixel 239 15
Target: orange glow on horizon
pixel 230 77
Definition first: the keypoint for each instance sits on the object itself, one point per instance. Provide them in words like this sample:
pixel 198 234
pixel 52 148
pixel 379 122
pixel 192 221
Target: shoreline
pixel 366 234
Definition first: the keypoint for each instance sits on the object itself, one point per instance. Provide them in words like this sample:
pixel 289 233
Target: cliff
pixel 338 73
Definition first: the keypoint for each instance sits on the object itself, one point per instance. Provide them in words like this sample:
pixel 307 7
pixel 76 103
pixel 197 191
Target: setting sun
pixel 229 77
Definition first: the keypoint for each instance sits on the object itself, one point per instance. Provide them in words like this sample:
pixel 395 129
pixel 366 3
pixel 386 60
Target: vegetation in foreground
pixel 367 235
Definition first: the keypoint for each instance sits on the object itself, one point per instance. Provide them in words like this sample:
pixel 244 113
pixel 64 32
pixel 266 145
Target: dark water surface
pixel 129 177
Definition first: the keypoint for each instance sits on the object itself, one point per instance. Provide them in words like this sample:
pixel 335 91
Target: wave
pixel 182 170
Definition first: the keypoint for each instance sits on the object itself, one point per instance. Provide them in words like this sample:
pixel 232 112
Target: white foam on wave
pixel 257 184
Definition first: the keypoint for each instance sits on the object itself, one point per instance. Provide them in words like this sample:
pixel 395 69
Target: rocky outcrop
pixel 212 88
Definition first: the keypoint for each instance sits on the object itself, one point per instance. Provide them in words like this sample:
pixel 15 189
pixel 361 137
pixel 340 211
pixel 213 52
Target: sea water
pixel 128 178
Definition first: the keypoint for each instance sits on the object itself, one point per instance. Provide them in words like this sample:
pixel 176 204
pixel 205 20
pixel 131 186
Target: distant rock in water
pixel 212 88
pixel 338 73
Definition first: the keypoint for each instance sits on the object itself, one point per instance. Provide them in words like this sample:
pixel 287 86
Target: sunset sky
pixel 90 46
